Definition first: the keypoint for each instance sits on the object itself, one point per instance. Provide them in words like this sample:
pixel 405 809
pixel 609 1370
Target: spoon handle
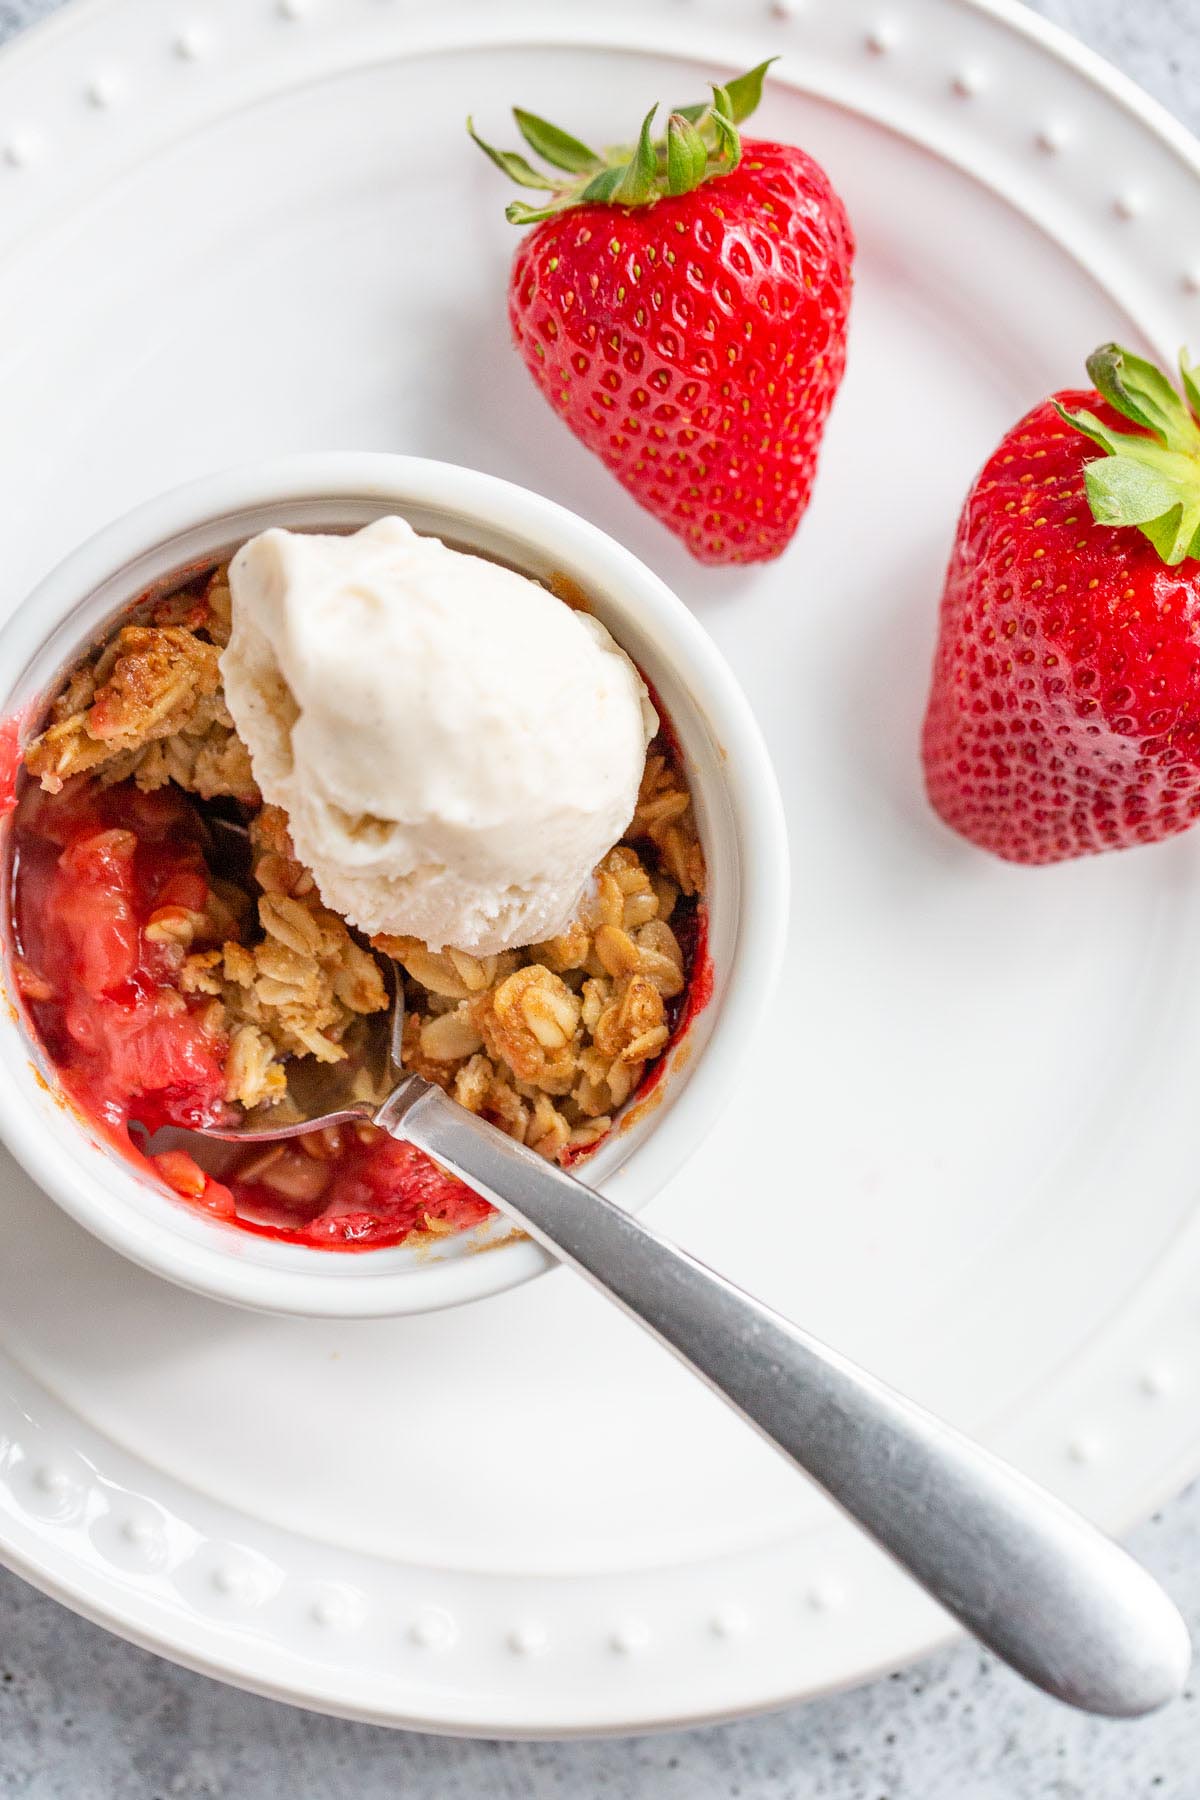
pixel 1034 1581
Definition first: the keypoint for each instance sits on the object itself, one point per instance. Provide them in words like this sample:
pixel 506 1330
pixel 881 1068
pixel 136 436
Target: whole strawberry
pixel 684 309
pixel 1064 716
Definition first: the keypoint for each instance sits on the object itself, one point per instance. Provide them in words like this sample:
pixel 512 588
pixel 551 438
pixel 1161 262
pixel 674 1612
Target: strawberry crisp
pixel 170 988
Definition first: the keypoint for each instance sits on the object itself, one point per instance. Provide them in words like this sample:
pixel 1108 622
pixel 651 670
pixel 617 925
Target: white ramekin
pixel 738 806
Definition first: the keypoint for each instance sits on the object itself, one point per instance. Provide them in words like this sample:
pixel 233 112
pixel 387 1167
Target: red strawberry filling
pixel 93 869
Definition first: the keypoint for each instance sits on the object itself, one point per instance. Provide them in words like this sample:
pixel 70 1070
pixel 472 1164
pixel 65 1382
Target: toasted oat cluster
pixel 547 1042
pixel 149 707
pixel 295 988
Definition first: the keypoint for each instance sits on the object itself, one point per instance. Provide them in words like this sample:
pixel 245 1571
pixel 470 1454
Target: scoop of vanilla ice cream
pixel 454 747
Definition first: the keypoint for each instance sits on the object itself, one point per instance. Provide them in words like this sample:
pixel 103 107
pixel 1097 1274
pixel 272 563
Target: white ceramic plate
pixel 966 1153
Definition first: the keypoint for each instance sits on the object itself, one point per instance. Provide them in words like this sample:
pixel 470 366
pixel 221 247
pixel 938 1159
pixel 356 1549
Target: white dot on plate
pixel 967 83
pixel 237 1584
pixel 22 149
pixel 824 1597
pixel 338 1610
pixel 630 1638
pixel 1051 138
pixel 191 42
pixel 1155 1381
pixel 1127 205
pixel 729 1622
pixel 433 1629
pixel 104 89
pixel 49 1480
pixel 784 9
pixel 1190 280
pixel 1083 1448
pixel 882 38
pixel 142 1534
pixel 528 1639
pixel 292 9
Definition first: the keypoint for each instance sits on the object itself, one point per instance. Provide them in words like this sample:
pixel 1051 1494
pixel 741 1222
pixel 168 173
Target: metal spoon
pixel 1033 1580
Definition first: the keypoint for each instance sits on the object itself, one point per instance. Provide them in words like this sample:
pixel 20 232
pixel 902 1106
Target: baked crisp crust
pixel 150 706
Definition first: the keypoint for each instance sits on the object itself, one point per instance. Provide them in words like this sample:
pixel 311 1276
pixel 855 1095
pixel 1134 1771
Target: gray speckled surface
pixel 87 1717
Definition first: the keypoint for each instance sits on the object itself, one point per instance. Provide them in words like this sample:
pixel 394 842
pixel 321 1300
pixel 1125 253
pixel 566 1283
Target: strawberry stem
pixel 1149 481
pixel 702 143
